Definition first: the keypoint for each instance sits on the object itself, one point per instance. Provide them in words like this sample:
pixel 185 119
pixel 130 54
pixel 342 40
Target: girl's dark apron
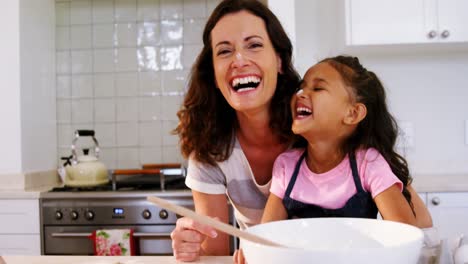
pixel 360 205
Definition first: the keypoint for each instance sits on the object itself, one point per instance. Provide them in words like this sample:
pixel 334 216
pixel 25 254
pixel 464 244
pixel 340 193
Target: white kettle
pixel 85 170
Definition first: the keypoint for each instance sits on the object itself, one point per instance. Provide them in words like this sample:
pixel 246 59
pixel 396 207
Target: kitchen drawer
pixel 20 245
pixel 19 216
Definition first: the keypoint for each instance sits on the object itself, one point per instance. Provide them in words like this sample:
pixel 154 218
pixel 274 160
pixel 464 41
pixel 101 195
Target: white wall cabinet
pixel 449 212
pixel 370 22
pixel 19 227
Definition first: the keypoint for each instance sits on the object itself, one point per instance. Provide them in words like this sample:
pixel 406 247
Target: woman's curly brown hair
pixel 207 122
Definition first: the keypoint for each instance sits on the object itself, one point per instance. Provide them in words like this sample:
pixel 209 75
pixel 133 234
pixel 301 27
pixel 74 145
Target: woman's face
pixel 321 104
pixel 245 62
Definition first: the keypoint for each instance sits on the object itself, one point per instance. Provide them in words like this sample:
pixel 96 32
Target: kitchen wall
pixel 426 84
pixel 122 68
pixel 27 93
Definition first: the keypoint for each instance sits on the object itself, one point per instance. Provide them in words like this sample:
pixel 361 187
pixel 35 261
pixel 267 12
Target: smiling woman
pixel 235 121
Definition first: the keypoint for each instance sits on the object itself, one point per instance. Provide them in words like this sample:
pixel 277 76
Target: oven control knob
pixel 89 215
pixel 163 214
pixel 58 215
pixel 74 215
pixel 146 214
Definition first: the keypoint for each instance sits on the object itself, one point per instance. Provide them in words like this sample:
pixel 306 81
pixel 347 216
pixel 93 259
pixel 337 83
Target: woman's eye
pixel 222 52
pixel 255 45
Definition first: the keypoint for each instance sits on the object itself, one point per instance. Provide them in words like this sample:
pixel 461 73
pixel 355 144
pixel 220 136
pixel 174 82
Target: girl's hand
pixel 187 238
pixel 239 257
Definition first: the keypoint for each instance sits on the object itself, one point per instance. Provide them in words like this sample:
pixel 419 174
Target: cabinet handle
pixel 435 201
pixel 445 34
pixel 432 34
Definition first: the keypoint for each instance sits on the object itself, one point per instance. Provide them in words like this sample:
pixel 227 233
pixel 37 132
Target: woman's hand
pixel 187 238
pixel 239 257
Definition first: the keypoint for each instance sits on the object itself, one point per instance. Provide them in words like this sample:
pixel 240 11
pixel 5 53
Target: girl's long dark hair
pixel 207 122
pixel 378 129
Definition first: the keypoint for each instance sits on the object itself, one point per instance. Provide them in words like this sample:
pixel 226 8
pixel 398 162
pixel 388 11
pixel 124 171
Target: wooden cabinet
pixel 19 227
pixel 370 22
pixel 449 212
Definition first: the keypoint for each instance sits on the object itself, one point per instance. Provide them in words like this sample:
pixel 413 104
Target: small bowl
pixel 335 240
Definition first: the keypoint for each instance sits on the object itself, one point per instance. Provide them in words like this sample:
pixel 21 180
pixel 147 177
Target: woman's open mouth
pixel 245 84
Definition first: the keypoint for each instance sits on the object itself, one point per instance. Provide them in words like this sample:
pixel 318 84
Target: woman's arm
pixel 423 217
pixel 393 206
pixel 191 239
pixel 213 205
pixel 274 209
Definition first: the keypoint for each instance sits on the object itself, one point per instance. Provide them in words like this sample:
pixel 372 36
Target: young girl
pixel 348 166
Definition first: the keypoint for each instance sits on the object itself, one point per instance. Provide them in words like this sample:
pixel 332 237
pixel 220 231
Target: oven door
pixel 75 240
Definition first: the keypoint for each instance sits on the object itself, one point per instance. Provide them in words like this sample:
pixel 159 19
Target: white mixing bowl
pixel 335 240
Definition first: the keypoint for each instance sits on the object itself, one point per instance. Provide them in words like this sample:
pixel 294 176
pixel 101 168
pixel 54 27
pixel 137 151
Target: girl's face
pixel 321 104
pixel 245 62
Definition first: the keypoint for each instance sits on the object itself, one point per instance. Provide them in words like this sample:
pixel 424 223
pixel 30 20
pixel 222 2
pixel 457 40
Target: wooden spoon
pixel 228 229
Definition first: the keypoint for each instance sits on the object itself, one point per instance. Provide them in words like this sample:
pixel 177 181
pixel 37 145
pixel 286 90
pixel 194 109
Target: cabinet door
pixel 453 20
pixel 20 245
pixel 385 21
pixel 449 213
pixel 19 216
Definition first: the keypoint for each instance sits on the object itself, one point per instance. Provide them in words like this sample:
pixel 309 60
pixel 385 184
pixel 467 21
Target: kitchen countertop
pixel 421 183
pixel 108 260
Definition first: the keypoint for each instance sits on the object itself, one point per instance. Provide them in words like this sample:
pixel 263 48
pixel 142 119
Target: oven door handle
pixel 136 234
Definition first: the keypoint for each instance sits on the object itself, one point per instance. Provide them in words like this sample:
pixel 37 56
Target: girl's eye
pixel 317 89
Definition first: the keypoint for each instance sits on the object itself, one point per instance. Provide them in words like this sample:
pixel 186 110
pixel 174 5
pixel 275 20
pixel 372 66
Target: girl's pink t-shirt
pixel 332 189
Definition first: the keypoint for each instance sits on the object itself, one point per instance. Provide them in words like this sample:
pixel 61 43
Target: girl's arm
pixel 393 206
pixel 274 209
pixel 423 217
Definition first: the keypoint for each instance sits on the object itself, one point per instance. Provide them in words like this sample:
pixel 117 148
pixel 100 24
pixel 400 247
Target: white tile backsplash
pixel 103 36
pixel 103 60
pixel 169 107
pixel 125 10
pixel 126 84
pixel 81 37
pixel 126 35
pixel 150 134
pixel 122 68
pixel 171 58
pixel 62 38
pixel 147 10
pixel 82 61
pixel 128 158
pixel 63 62
pixel 82 86
pixel 80 12
pixel 62 13
pixel 127 109
pixel 104 110
pixel 127 134
pixel 126 59
pixel 104 85
pixel 150 108
pixel 63 86
pixel 172 32
pixel 194 9
pixel 172 9
pixel 150 83
pixel 64 111
pixel 148 34
pixel 148 59
pixel 82 111
pixel 103 11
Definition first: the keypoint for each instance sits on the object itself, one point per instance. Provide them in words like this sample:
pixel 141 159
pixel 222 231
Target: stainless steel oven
pixel 69 215
pixel 68 220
